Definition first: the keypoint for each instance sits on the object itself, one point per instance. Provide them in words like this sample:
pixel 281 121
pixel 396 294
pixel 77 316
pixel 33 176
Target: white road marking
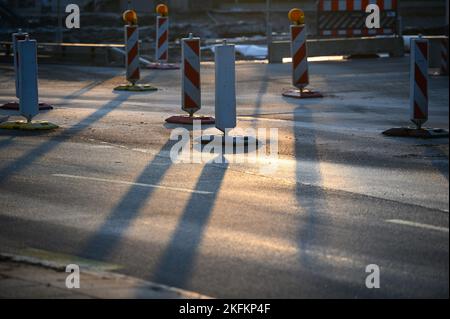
pixel 177 189
pixel 419 225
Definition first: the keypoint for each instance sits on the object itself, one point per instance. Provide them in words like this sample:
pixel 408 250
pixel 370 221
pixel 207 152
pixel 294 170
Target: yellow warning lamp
pixel 162 10
pixel 130 17
pixel 297 16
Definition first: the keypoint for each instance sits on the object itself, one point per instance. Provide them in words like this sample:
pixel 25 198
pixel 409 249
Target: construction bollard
pixel 225 98
pixel 444 57
pixel 418 90
pixel 300 75
pixel 132 55
pixel 418 95
pixel 19 36
pixel 28 88
pixel 162 40
pixel 190 83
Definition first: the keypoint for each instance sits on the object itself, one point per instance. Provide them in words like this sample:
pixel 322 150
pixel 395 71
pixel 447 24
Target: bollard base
pixel 305 94
pixel 228 140
pixel 416 133
pixel 163 66
pixel 189 120
pixel 15 106
pixel 28 126
pixel 135 88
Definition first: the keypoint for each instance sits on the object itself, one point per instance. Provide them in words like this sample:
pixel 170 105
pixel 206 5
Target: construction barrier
pixel 132 59
pixel 347 18
pixel 225 101
pixel 16 37
pixel 190 83
pixel 162 40
pixel 419 81
pixel 299 54
pixel 418 95
pixel 225 105
pixel 444 57
pixel 28 87
pixel 132 53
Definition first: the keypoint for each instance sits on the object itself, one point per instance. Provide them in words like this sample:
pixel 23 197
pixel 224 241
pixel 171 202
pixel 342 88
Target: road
pixel 338 197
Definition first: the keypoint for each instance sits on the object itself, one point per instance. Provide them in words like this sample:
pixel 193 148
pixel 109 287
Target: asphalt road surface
pixel 302 223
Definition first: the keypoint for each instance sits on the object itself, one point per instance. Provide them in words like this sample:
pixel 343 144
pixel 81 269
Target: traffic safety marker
pixel 190 83
pixel 418 95
pixel 28 89
pixel 444 57
pixel 225 100
pixel 19 36
pixel 300 75
pixel 162 40
pixel 132 55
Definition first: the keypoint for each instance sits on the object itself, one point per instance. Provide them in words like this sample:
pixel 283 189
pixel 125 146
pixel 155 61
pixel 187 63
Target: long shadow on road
pixel 44 148
pixel 176 265
pixel 103 242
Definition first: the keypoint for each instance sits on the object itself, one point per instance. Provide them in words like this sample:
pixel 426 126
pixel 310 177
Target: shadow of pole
pixel 308 197
pixel 109 234
pixel 176 264
pixel 53 142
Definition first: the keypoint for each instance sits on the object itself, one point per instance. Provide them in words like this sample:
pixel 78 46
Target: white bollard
pixel 28 84
pixel 15 38
pixel 225 106
pixel 418 94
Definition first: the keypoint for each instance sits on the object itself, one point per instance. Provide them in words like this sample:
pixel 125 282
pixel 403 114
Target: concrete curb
pixel 26 277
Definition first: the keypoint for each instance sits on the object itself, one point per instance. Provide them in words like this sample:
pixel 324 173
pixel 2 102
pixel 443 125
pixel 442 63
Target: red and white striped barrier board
pixel 300 78
pixel 132 53
pixel 162 39
pixel 348 17
pixel 190 83
pixel 419 81
pixel 444 56
pixel 19 36
pixel 300 73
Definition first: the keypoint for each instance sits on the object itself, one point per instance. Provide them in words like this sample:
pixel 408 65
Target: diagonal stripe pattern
pixel 132 54
pixel 191 92
pixel 348 17
pixel 162 39
pixel 444 56
pixel 300 78
pixel 419 81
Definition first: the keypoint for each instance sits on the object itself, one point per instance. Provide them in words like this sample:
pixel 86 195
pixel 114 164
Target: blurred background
pixel 249 22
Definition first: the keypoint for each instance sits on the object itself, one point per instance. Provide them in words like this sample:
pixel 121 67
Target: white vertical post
pixel 225 106
pixel 15 38
pixel 28 86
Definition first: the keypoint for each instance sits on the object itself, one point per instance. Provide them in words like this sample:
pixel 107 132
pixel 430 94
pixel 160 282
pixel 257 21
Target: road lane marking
pixel 177 189
pixel 419 225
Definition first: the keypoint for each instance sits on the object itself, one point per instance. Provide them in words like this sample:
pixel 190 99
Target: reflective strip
pixel 299 56
pixel 132 53
pixel 419 81
pixel 162 36
pixel 191 86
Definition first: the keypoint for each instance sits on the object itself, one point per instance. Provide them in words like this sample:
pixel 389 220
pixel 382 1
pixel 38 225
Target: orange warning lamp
pixel 130 17
pixel 162 10
pixel 297 16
